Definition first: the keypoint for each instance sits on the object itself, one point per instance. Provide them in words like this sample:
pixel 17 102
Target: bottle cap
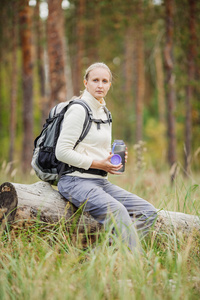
pixel 116 159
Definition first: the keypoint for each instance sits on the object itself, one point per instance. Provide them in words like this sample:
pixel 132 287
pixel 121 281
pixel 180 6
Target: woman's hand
pixel 106 165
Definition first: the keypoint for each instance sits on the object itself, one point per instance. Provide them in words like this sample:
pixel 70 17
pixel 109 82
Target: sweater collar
pixel 93 102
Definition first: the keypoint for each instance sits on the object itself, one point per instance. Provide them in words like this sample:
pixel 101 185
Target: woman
pixel 104 201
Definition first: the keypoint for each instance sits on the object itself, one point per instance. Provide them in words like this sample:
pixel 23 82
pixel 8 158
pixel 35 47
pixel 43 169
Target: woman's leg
pixel 101 205
pixel 141 211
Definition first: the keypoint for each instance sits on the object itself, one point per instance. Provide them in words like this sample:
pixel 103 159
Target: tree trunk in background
pixel 129 65
pixel 160 85
pixel 56 52
pixel 40 61
pixel 170 80
pixel 27 66
pixel 1 64
pixel 191 55
pixel 129 71
pixel 94 33
pixel 80 34
pixel 13 98
pixel 140 81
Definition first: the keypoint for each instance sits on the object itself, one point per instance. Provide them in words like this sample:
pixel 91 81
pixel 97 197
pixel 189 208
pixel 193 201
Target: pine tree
pixel 14 72
pixel 191 58
pixel 170 90
pixel 27 66
pixel 56 52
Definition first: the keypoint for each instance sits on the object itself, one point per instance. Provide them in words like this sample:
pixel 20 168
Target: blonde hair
pixel 97 65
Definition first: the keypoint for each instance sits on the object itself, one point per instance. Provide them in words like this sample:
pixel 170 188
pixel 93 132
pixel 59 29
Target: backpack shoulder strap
pixel 88 119
pixel 86 126
pixel 108 114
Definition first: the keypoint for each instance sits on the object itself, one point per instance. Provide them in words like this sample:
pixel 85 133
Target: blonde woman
pixel 91 162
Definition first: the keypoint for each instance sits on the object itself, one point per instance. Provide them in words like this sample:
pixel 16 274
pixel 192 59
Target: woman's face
pixel 98 83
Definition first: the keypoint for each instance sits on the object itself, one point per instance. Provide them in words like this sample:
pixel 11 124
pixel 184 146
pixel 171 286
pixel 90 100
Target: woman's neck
pixel 100 100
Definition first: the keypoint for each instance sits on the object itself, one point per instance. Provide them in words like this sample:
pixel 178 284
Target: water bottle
pixel 118 149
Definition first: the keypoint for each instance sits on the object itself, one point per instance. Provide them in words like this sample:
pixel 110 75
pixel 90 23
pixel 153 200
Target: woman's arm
pixel 72 127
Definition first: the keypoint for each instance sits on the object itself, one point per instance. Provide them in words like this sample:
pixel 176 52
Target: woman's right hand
pixel 106 165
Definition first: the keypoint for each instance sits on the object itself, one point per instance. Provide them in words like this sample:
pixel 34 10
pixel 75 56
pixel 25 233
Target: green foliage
pixel 105 27
pixel 42 261
pixel 34 268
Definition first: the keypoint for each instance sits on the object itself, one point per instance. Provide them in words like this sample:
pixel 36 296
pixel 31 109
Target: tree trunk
pixel 93 33
pixel 129 64
pixel 140 81
pixel 192 52
pixel 160 85
pixel 80 33
pixel 40 61
pixel 24 204
pixel 128 83
pixel 27 65
pixel 170 80
pixel 56 52
pixel 13 98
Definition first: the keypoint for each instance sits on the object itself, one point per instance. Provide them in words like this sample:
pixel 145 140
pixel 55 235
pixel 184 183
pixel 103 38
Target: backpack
pixel 44 161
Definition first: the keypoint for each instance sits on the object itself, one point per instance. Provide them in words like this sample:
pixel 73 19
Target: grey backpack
pixel 44 161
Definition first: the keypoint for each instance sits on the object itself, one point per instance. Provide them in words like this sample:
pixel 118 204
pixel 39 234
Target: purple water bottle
pixel 118 149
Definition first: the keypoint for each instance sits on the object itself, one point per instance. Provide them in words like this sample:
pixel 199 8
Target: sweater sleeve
pixel 72 127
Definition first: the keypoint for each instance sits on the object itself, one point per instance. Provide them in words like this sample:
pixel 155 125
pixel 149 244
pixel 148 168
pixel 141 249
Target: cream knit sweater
pixel 95 146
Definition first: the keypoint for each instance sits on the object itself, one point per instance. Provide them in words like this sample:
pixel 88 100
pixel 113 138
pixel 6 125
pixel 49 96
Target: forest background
pixel 152 48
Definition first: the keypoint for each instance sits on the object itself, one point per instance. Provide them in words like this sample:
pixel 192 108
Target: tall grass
pixel 46 263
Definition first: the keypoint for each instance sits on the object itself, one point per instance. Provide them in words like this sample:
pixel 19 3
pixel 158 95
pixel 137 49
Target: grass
pixel 46 264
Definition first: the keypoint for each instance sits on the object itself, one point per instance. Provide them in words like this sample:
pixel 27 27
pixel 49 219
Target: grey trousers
pixel 108 203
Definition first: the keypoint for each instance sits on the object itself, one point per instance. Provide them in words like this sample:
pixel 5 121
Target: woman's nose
pixel 100 84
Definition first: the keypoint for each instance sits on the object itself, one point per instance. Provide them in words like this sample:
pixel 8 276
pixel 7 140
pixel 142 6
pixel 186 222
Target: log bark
pixel 23 204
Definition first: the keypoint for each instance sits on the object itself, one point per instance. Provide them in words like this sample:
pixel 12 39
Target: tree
pixel 56 52
pixel 27 77
pixel 191 57
pixel 129 44
pixel 160 84
pixel 13 98
pixel 93 33
pixel 170 80
pixel 80 34
pixel 40 60
pixel 140 80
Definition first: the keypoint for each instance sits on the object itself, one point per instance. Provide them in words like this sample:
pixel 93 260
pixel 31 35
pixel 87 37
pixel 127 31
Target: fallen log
pixel 22 204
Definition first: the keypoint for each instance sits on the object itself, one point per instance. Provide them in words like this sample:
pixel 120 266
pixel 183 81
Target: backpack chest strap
pixel 100 121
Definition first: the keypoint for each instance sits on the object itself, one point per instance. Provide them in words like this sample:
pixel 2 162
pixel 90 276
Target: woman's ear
pixel 85 82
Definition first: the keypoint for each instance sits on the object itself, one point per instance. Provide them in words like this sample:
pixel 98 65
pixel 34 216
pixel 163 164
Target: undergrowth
pixel 48 262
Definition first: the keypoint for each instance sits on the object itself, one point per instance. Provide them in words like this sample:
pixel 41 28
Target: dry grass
pixel 34 265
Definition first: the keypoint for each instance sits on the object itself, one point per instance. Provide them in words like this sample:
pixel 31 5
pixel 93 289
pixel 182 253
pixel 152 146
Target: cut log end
pixel 8 203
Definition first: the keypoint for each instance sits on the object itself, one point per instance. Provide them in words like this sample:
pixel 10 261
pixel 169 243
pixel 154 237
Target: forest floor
pixel 38 265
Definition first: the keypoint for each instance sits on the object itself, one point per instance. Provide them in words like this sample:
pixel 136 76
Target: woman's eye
pixel 105 81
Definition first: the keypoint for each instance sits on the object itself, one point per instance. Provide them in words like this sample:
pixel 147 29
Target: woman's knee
pixel 120 212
